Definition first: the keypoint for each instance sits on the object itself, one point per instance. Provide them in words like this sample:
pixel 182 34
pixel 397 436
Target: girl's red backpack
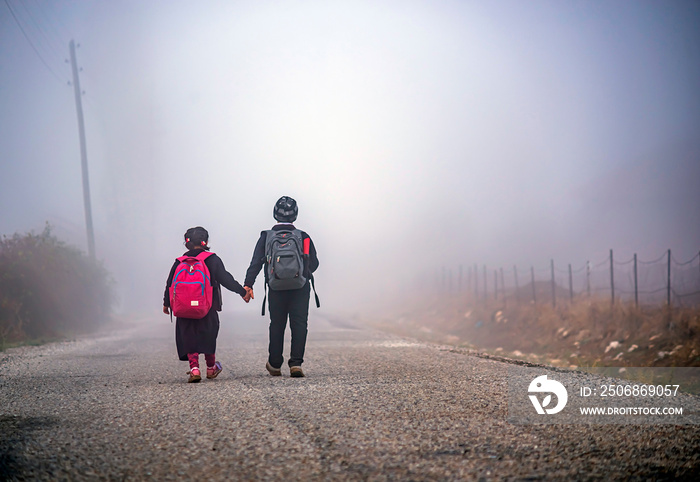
pixel 191 290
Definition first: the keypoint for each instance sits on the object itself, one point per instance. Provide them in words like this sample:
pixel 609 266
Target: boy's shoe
pixel 275 372
pixel 195 376
pixel 212 372
pixel 296 372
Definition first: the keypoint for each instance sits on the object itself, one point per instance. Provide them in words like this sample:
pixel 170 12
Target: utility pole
pixel 83 153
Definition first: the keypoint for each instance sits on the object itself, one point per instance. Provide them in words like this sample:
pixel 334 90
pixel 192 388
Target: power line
pixel 32 43
pixel 62 32
pixel 50 44
pixel 51 21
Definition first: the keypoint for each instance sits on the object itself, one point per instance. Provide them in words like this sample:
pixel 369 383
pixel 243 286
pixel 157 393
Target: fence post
pixel 588 278
pixel 486 288
pixel 517 288
pixel 554 295
pixel 668 284
pixel 571 285
pixel 503 286
pixel 636 291
pixel 476 282
pixel 534 294
pixel 495 284
pixel 612 281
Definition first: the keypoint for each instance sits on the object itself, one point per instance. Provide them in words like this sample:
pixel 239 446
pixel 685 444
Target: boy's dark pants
pixel 295 305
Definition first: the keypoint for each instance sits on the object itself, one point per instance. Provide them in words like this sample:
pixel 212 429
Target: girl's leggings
pixel 193 358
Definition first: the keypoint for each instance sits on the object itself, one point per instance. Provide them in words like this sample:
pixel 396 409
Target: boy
pixel 292 303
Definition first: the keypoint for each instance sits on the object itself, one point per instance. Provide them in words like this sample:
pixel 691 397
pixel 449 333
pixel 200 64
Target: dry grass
pixel 585 332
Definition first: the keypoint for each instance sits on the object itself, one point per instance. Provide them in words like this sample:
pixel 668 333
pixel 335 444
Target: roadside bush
pixel 49 289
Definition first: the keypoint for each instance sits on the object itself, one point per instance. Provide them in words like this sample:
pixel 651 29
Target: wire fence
pixel 664 280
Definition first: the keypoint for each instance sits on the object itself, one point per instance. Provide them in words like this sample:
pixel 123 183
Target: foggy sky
pixel 413 135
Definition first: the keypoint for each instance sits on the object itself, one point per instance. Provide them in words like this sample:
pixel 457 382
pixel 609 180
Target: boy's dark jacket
pixel 258 260
pixel 219 276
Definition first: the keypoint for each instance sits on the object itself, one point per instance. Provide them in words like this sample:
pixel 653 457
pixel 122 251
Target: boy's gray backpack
pixel 284 259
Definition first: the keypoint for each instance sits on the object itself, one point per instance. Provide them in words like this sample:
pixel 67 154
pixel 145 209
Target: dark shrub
pixel 49 289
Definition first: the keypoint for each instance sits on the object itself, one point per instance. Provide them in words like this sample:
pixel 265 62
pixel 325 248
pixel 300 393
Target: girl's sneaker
pixel 195 376
pixel 212 372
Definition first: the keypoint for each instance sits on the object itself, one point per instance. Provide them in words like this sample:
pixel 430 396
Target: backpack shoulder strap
pixel 313 285
pixel 306 255
pixel 201 256
pixel 264 299
pixel 204 255
pixel 269 235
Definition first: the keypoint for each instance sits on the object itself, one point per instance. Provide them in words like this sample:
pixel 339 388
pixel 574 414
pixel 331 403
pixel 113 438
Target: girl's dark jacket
pixel 199 336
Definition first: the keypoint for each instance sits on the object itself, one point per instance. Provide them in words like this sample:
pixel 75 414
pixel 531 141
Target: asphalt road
pixel 373 407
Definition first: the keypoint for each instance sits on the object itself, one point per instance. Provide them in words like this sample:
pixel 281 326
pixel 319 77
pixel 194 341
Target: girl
pixel 195 336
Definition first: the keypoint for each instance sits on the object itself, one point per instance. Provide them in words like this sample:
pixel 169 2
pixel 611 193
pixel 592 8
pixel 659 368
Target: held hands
pixel 248 294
